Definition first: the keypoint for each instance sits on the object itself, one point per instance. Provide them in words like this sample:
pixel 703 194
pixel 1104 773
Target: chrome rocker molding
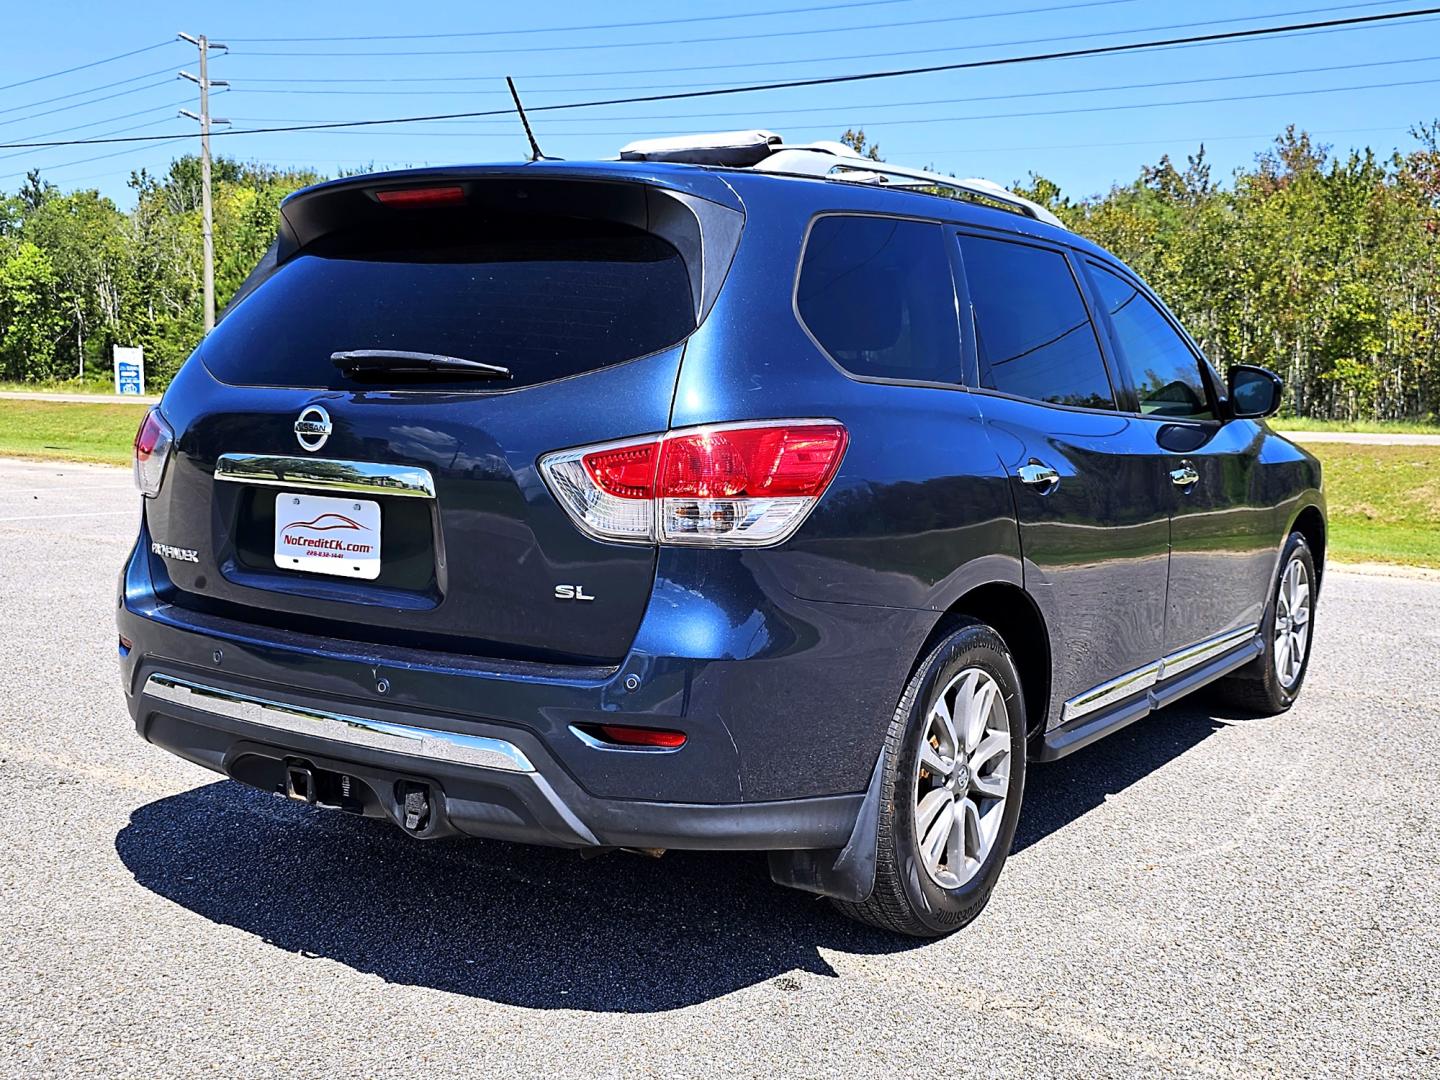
pixel 427 743
pixel 1111 705
pixel 325 474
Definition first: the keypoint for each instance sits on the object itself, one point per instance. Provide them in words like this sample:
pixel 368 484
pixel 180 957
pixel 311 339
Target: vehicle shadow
pixel 542 928
pixel 1059 792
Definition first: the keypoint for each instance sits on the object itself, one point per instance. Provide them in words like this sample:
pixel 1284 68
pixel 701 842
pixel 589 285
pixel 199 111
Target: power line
pixel 91 101
pixel 107 120
pixel 893 122
pixel 1097 50
pixel 84 67
pixel 87 90
pixel 1199 140
pixel 947 49
pixel 809 31
pixel 116 131
pixel 575 29
pixel 959 100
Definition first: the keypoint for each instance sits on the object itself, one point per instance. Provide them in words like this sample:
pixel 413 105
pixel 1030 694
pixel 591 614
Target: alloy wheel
pixel 962 777
pixel 1292 623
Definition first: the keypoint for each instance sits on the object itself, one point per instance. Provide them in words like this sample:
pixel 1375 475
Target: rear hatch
pixel 405 507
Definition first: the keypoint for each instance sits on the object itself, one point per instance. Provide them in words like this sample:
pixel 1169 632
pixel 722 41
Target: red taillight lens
pixel 152 451
pixel 446 195
pixel 738 484
pixel 627 472
pixel 769 462
pixel 624 735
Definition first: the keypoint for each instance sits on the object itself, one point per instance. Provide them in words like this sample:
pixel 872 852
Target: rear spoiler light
pixel 747 485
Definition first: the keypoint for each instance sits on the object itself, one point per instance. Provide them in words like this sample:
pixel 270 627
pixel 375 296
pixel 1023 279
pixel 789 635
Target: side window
pixel 1165 373
pixel 1032 330
pixel 877 293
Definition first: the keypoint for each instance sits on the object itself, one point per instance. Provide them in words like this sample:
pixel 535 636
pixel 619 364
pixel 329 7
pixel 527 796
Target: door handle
pixel 1185 476
pixel 1037 475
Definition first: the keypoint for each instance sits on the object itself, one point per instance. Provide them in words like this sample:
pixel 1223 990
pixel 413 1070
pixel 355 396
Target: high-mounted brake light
pixel 447 195
pixel 735 484
pixel 152 450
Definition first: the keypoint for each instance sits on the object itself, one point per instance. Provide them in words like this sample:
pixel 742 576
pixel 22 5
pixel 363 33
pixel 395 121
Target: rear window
pixel 878 295
pixel 544 297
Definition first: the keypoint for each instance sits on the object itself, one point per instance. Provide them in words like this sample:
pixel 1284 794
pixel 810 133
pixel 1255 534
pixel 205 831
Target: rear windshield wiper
pixel 395 362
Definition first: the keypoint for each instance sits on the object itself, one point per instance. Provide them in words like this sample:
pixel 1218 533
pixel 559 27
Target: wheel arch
pixel 1310 523
pixel 1012 613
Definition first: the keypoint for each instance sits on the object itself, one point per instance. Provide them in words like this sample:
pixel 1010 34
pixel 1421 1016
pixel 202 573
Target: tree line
pixel 1323 266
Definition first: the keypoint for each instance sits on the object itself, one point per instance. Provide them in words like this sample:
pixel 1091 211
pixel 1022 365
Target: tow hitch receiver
pixel 300 783
pixel 415 801
pixel 320 787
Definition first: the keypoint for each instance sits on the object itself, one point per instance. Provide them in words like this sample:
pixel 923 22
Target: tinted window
pixel 1164 371
pixel 877 294
pixel 1032 330
pixel 544 297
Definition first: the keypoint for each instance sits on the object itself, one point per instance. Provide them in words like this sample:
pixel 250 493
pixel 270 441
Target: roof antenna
pixel 535 154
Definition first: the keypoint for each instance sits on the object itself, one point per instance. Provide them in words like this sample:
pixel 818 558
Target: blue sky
pixel 1085 123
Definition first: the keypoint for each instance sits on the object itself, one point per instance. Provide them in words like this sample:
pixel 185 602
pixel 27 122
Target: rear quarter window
pixel 546 297
pixel 878 295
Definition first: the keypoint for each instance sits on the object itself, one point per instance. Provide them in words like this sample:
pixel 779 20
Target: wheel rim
pixel 1292 623
pixel 962 777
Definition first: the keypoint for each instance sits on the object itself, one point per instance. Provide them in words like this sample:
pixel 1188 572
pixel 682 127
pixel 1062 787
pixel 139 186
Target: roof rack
pixel 765 151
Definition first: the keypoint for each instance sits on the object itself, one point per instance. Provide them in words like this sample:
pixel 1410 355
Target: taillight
pixel 152 450
pixel 744 484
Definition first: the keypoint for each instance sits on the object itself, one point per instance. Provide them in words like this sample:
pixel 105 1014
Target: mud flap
pixel 846 873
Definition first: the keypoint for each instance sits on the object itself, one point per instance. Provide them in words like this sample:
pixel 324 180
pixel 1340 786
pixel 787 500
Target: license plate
pixel 324 535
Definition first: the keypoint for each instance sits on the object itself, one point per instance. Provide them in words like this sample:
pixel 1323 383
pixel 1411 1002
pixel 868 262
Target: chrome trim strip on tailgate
pixel 476 750
pixel 296 472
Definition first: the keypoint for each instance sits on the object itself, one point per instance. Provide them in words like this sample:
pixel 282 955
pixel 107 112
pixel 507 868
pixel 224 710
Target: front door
pixel 1222 550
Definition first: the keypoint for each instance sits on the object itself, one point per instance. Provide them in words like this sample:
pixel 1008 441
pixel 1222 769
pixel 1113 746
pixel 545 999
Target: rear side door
pixel 1092 506
pixel 1222 537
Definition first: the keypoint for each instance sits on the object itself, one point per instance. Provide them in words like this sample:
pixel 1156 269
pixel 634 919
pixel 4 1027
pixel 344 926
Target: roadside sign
pixel 129 369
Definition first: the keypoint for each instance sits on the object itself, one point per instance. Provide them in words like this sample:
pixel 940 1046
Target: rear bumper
pixel 503 784
pixel 784 703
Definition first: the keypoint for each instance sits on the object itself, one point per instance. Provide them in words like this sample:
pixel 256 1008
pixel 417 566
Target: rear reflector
pixel 742 484
pixel 624 735
pixel 421 196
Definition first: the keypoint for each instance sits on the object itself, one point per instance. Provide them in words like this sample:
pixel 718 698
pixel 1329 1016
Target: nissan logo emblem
pixel 312 427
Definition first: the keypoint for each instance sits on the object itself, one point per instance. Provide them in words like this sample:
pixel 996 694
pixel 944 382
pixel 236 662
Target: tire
pixel 1260 688
pixel 913 895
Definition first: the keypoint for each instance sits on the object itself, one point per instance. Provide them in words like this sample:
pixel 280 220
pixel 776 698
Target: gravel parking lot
pixel 1200 895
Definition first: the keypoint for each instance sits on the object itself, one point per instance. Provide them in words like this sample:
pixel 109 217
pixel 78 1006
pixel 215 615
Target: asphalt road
pixel 1200 895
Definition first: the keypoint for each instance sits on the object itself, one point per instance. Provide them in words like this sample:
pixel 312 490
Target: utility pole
pixel 207 227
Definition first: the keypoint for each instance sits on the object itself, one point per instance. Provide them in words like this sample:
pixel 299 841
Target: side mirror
pixel 1255 392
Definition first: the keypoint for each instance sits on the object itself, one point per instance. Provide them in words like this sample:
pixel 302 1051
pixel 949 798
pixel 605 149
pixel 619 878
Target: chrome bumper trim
pixel 326 474
pixel 435 745
pixel 1132 682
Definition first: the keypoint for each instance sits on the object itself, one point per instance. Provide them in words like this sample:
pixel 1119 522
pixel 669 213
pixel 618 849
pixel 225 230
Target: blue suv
pixel 719 497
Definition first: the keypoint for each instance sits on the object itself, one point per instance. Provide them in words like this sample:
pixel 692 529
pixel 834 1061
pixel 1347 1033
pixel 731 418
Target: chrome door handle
pixel 1037 475
pixel 1185 476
